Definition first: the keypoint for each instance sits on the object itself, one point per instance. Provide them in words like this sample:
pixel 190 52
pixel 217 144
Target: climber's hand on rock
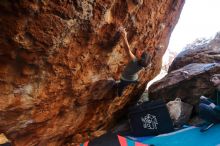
pixel 123 32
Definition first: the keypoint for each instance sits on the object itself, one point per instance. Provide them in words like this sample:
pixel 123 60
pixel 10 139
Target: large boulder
pixel 200 51
pixel 189 74
pixel 58 59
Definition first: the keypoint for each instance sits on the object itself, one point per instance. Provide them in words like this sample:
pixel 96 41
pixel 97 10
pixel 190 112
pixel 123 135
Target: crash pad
pixel 190 136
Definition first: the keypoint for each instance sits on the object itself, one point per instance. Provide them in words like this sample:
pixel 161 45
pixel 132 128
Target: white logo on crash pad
pixel 149 121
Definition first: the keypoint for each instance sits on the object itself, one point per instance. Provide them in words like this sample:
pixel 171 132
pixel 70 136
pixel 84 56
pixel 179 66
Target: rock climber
pixel 137 61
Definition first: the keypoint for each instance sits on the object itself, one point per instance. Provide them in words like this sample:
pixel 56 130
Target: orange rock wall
pixel 57 59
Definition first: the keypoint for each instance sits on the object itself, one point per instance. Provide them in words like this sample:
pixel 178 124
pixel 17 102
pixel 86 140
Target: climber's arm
pixel 126 44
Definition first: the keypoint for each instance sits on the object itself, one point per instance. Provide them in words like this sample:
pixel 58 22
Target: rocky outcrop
pixel 201 51
pixel 187 83
pixel 58 59
pixel 190 73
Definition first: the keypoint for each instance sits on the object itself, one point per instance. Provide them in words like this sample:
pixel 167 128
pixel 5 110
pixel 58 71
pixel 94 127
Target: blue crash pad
pixel 190 136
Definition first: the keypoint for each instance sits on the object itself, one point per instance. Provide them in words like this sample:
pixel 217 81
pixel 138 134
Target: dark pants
pixel 123 84
pixel 207 113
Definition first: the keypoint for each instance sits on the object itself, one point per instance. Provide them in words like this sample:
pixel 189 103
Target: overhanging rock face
pixel 57 59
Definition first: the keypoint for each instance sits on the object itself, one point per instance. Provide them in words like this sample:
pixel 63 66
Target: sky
pixel 198 19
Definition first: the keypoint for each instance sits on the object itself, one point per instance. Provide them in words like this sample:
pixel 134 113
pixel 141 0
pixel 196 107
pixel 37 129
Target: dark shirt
pixel 131 70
